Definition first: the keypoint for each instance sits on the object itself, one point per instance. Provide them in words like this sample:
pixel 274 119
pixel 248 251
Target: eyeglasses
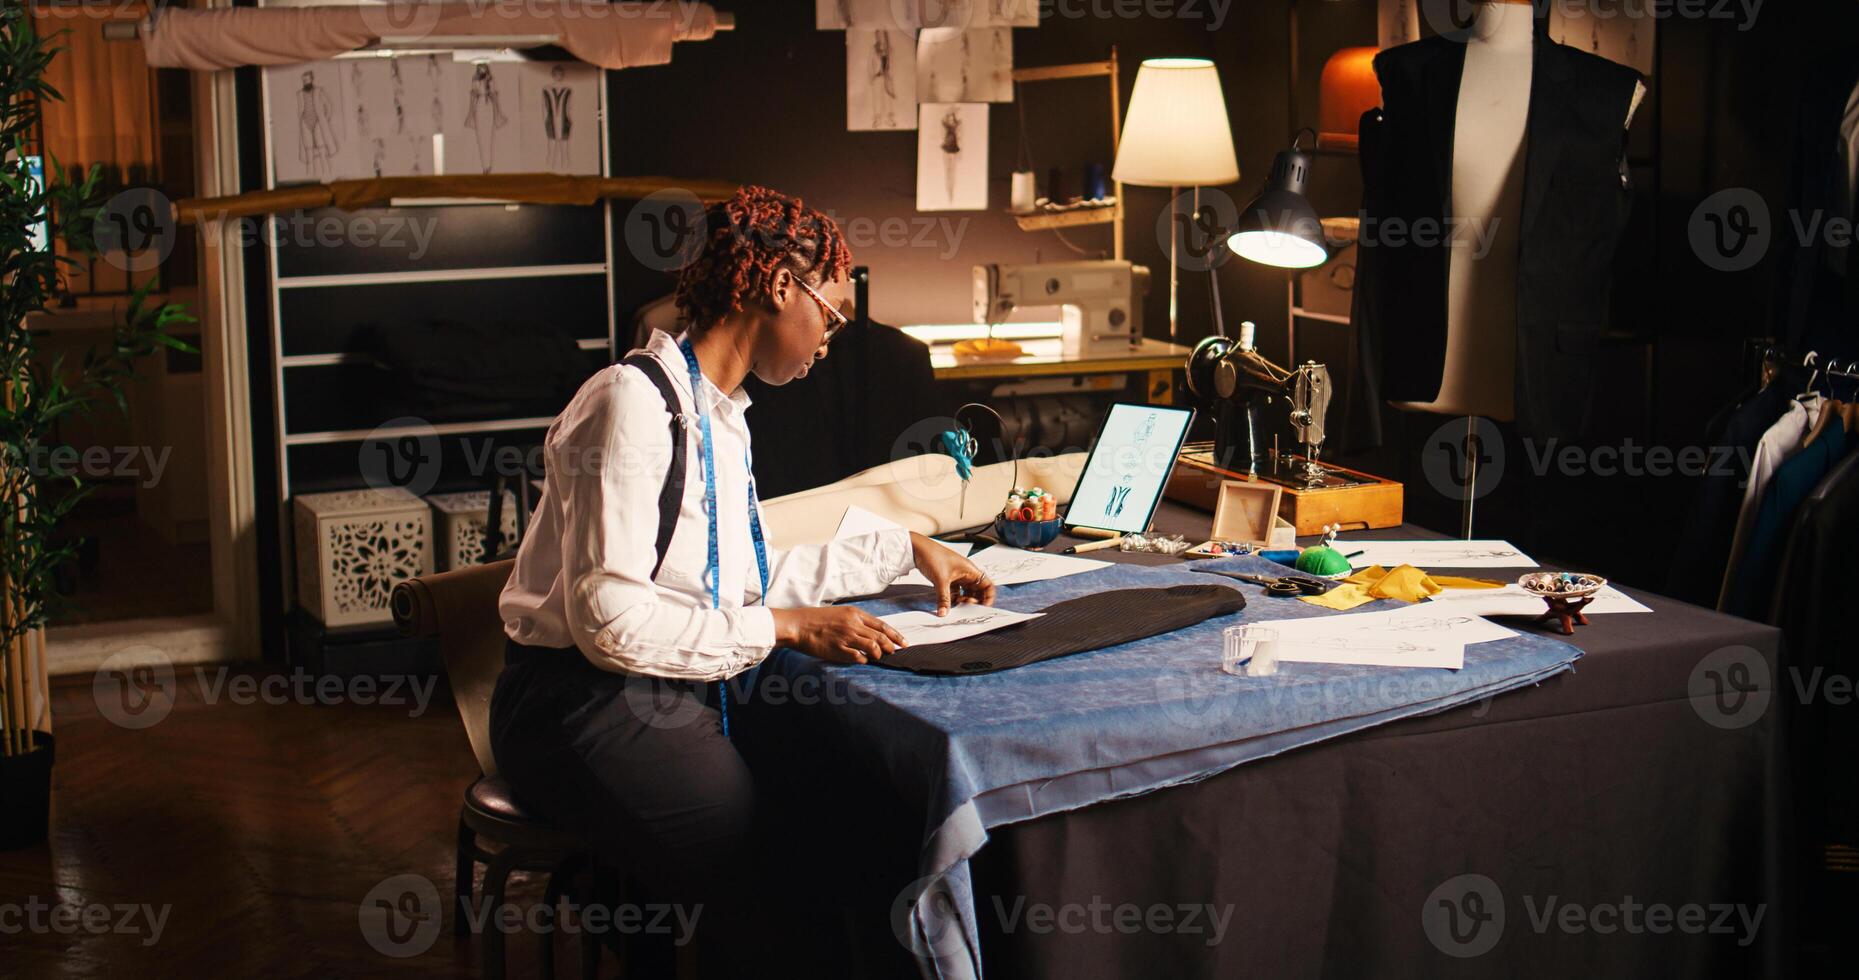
pixel 835 320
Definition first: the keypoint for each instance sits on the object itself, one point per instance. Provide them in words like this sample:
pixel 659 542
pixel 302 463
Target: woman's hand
pixel 843 634
pixel 955 577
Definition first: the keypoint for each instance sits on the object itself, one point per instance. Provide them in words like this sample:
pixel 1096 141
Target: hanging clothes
pixel 1703 553
pixel 1781 441
pixel 1754 576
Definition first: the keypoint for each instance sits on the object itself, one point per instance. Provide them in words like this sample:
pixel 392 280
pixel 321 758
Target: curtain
pixel 107 115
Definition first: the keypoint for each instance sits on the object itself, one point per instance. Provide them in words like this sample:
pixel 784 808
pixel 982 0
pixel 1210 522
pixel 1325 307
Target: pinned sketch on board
pixel 881 79
pixel 1622 36
pixel 1397 22
pixel 952 156
pixel 974 65
pixel 559 133
pixel 310 122
pixel 393 124
pixel 481 134
pixel 961 623
pixel 914 15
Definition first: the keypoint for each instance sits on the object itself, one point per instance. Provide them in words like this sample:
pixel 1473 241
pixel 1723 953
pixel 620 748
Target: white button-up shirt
pixel 583 575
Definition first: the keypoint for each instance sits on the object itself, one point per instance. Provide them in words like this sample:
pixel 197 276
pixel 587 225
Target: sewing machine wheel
pixel 1204 365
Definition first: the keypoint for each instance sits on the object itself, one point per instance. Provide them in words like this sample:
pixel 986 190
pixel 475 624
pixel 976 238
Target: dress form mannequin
pixel 1486 201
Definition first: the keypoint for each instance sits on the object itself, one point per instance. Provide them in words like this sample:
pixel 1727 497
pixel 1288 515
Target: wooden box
pixel 1370 502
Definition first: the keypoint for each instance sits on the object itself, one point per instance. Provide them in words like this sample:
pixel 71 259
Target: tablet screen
pixel 1129 465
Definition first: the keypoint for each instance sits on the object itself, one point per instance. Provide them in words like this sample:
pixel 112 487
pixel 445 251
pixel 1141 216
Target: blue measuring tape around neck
pixel 712 567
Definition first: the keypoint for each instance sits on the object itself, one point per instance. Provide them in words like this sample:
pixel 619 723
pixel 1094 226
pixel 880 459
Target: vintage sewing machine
pixel 1232 383
pixel 1102 301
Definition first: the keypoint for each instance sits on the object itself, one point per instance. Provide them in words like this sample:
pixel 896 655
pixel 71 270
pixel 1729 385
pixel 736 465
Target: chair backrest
pixel 460 608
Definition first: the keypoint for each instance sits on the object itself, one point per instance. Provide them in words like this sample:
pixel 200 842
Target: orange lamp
pixel 1347 90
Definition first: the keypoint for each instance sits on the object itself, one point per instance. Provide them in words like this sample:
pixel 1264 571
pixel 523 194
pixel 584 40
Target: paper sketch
pixel 881 80
pixel 391 144
pixel 1006 13
pixel 961 622
pixel 1014 566
pixel 1416 636
pixel 838 15
pixel 1398 22
pixel 974 65
pixel 952 157
pixel 1512 600
pixel 558 118
pixel 1622 37
pixel 310 118
pixel 481 132
pixel 1436 554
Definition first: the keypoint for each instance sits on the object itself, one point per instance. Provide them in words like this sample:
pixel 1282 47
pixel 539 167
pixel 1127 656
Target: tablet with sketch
pixel 1130 462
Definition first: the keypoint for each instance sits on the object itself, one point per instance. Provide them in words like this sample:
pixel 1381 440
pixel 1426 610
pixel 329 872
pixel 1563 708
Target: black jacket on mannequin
pixel 1575 205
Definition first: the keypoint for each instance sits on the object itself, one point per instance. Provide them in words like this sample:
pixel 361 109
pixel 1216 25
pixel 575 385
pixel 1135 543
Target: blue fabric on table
pixel 984 751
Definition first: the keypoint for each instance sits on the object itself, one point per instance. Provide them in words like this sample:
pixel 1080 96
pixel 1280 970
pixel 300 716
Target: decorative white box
pixel 458 525
pixel 353 547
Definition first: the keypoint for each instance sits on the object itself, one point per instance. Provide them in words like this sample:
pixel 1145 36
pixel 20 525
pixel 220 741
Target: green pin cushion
pixel 1322 560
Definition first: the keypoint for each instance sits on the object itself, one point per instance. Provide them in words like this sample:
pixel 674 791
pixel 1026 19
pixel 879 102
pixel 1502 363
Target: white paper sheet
pixel 961 622
pixel 1015 566
pixel 974 65
pixel 558 118
pixel 1436 554
pixel 483 134
pixel 857 520
pixel 312 123
pixel 1512 600
pixel 881 80
pixel 952 156
pixel 1417 636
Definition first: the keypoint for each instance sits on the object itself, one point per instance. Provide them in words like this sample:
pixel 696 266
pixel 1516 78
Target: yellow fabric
pixel 1406 583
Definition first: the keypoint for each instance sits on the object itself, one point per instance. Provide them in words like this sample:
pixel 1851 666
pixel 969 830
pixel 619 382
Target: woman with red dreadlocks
pixel 644 587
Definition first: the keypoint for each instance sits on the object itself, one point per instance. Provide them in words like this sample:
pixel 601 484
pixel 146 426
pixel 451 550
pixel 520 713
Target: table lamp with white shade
pixel 1176 135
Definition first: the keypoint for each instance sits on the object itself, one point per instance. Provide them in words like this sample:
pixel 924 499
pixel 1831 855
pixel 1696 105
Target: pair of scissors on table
pixel 1283 587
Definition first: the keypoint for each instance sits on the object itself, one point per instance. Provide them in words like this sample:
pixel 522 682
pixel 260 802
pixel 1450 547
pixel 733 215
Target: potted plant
pixel 36 215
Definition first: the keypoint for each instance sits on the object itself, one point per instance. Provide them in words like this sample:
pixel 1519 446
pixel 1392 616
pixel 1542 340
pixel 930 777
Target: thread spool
pixel 1024 195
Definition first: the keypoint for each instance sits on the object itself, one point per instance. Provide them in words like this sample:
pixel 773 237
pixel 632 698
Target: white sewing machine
pixel 1102 301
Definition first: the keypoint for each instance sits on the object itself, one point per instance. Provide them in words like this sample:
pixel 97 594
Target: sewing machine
pixel 1102 301
pixel 1232 382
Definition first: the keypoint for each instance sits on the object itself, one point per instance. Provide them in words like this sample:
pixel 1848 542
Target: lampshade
pixel 1349 89
pixel 1176 133
pixel 1279 227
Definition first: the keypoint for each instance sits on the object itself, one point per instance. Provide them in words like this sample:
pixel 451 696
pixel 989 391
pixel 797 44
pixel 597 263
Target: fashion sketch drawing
pixel 883 82
pixel 484 96
pixel 557 120
pixel 318 141
pixel 951 149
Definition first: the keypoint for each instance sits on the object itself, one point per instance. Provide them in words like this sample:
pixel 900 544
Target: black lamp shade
pixel 1280 228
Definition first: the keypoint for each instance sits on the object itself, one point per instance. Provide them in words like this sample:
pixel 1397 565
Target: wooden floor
pixel 261 827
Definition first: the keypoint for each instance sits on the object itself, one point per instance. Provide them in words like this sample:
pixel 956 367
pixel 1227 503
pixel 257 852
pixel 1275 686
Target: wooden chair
pixel 460 608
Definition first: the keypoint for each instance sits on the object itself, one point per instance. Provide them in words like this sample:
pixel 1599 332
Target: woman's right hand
pixel 843 634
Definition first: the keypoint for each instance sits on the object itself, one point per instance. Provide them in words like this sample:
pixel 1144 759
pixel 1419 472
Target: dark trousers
pixel 639 766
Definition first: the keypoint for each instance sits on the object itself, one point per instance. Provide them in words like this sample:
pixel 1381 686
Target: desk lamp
pixel 1176 134
pixel 1280 228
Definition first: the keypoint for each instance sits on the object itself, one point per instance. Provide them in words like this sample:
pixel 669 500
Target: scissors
pixel 1283 587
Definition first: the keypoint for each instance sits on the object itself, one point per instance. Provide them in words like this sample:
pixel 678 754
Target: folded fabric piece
pixel 1089 622
pixel 620 35
pixel 1406 583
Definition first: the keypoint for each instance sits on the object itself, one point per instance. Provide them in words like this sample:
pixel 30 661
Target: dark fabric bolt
pixel 1073 626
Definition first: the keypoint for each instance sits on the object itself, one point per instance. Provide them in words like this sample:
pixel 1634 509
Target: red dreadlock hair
pixel 747 239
